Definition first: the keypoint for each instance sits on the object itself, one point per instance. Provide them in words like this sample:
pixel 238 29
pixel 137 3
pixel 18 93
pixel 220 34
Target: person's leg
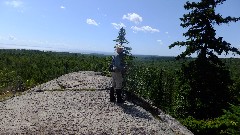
pixel 112 95
pixel 119 96
pixel 119 81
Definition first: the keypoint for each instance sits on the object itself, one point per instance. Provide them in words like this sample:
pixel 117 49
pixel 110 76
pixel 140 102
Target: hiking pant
pixel 117 80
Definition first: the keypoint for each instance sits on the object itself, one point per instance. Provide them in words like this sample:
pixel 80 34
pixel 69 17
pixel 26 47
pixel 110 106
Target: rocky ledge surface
pixel 77 103
pixel 82 80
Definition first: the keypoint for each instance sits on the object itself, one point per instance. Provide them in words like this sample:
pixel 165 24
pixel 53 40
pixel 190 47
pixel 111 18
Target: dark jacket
pixel 118 63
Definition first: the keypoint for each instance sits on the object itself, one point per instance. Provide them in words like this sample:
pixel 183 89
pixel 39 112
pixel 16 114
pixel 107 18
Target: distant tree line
pixel 32 67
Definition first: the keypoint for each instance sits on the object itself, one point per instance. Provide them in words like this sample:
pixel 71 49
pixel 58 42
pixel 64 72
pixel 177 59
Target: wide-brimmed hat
pixel 119 46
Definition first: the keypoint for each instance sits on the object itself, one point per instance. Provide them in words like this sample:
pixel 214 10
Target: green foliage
pixel 231 120
pixel 163 82
pixel 209 88
pixel 228 123
pixel 155 81
pixel 232 64
pixel 23 69
pixel 200 127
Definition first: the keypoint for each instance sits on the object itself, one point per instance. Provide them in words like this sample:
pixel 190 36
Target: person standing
pixel 118 68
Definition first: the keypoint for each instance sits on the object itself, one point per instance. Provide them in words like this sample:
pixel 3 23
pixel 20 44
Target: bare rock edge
pixel 175 125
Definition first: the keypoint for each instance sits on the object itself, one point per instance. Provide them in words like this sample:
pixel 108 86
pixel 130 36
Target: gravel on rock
pixel 78 103
pixel 75 112
pixel 82 80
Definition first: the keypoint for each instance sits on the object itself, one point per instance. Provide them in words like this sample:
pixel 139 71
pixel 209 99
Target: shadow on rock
pixel 132 110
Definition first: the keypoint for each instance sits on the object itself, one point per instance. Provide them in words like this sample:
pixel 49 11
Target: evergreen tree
pixel 207 76
pixel 201 33
pixel 121 40
pixel 121 37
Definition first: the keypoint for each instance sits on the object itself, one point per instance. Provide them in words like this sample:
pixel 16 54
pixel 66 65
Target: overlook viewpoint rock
pixel 78 103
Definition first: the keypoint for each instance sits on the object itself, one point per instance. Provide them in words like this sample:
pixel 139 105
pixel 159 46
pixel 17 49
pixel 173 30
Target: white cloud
pixel 92 22
pixel 14 3
pixel 133 17
pixel 118 26
pixel 166 32
pixel 160 42
pixel 144 29
pixel 62 7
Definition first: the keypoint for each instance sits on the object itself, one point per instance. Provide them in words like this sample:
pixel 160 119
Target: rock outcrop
pixel 78 103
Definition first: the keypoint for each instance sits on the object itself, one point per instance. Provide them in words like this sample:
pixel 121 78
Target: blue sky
pixel 92 25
